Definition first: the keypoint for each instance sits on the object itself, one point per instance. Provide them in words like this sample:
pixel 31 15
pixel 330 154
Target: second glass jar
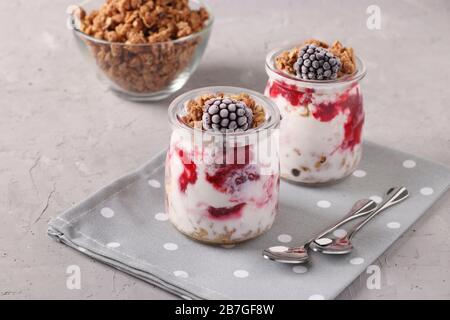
pixel 321 126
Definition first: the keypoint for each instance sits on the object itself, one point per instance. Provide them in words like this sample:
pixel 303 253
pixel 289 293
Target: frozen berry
pixel 215 118
pixel 206 118
pixel 226 115
pixel 224 123
pixel 241 121
pixel 213 109
pixel 314 63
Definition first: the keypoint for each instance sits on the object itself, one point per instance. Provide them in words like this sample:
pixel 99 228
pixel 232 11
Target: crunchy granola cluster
pixel 347 57
pixel 141 57
pixel 286 60
pixel 195 108
pixel 143 21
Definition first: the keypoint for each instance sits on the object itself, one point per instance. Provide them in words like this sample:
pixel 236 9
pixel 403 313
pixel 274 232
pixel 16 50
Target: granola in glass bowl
pixel 145 49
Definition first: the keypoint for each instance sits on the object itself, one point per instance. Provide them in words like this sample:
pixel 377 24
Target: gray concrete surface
pixel 63 135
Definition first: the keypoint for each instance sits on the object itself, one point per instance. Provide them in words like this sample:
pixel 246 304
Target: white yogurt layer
pixel 188 209
pixel 310 150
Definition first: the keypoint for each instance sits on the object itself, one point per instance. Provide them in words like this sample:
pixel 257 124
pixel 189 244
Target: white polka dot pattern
pixel 359 173
pixel 161 216
pixel 154 183
pixel 427 191
pixel 285 238
pixel 356 261
pixel 181 274
pixel 409 164
pixel 324 204
pixel 107 212
pixel 241 274
pixel 393 225
pixel 113 245
pixel 170 246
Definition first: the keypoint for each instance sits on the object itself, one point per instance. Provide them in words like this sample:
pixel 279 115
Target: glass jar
pixel 321 126
pixel 222 188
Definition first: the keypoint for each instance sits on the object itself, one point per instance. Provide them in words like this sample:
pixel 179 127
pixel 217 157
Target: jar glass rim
pixel 272 71
pixel 178 105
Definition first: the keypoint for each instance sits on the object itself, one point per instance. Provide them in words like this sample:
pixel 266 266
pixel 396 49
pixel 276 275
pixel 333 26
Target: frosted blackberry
pixel 226 115
pixel 316 63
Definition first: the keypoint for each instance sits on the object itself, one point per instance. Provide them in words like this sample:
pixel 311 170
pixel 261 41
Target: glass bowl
pixel 142 72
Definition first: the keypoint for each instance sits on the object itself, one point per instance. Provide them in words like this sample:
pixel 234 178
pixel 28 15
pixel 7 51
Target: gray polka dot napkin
pixel 124 225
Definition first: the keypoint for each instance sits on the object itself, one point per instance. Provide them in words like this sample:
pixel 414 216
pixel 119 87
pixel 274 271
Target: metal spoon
pixel 344 245
pixel 298 255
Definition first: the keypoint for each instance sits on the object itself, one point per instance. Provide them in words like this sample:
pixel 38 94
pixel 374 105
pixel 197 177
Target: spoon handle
pixel 393 196
pixel 359 209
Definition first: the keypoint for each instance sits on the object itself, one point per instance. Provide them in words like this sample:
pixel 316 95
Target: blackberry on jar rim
pixel 226 115
pixel 317 63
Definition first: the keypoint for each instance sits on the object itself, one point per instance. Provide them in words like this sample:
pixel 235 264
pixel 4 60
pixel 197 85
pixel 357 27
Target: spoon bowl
pixel 295 255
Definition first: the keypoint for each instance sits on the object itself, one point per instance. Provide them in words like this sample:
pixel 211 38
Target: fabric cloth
pixel 124 226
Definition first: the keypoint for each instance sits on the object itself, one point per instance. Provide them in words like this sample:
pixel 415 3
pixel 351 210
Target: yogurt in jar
pixel 222 188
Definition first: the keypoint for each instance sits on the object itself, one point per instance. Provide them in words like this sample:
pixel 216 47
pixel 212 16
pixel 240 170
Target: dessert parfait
pixel 316 88
pixel 222 166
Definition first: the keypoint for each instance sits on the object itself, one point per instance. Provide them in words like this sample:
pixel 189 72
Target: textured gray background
pixel 63 135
